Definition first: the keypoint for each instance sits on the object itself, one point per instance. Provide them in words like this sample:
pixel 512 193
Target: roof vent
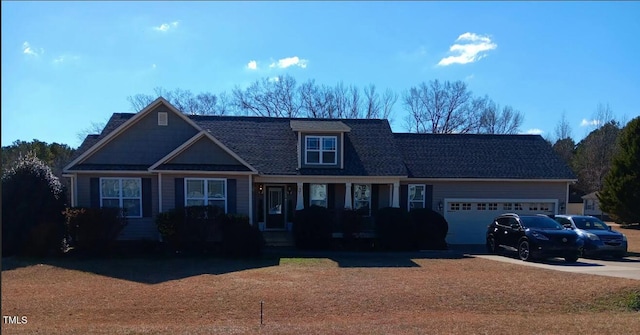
pixel 163 119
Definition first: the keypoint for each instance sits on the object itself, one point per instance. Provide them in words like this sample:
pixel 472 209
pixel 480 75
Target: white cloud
pixel 153 66
pixel 469 77
pixel 252 65
pixel 274 79
pixel 28 50
pixel 472 50
pixel 166 26
pixel 587 123
pixel 534 131
pixel 290 61
pixel 64 58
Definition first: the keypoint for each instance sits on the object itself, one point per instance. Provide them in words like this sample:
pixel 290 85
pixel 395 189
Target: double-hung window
pixel 125 193
pixel 416 196
pixel 321 150
pixel 318 194
pixel 362 197
pixel 203 192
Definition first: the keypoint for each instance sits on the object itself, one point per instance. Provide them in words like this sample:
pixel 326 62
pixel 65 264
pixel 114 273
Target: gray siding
pixel 204 151
pixel 136 229
pixel 145 142
pixel 303 145
pixel 495 190
pixel 242 190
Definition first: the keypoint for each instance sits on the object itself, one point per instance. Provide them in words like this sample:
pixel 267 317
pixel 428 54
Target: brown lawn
pixel 633 237
pixel 353 294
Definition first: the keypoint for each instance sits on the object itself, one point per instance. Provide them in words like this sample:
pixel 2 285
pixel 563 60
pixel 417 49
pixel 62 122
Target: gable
pixel 205 152
pixel 145 141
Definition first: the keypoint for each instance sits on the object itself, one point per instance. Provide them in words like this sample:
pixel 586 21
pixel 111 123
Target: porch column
pixel 396 195
pixel 300 197
pixel 347 196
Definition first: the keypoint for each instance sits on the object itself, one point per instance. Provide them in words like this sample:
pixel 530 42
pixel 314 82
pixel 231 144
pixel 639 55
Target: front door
pixel 275 207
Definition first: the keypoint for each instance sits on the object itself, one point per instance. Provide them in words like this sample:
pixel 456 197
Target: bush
pixel 312 228
pixel 393 229
pixel 33 200
pixel 94 230
pixel 430 229
pixel 240 238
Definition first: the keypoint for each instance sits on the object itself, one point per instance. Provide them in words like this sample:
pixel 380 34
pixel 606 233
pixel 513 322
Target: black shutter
pixel 146 198
pixel 179 193
pixel 404 196
pixel 331 196
pixel 94 192
pixel 231 196
pixel 428 197
pixel 305 194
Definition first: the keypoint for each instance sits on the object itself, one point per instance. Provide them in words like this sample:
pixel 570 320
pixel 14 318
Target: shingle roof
pixel 270 145
pixel 481 156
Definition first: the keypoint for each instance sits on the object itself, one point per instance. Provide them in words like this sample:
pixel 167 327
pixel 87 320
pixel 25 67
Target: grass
pixel 633 238
pixel 352 294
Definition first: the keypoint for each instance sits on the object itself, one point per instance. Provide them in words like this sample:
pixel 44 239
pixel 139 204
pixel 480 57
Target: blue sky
pixel 66 65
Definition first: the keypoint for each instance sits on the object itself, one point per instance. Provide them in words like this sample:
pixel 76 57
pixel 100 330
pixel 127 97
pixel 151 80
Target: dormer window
pixel 321 150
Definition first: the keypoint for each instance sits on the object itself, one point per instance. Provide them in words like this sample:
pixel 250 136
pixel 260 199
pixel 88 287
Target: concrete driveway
pixel 628 267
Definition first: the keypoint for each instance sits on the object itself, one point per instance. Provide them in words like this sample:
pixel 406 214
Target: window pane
pixel 416 192
pixel 328 144
pixel 313 157
pixel 131 207
pixel 131 188
pixel 361 204
pixel 111 203
pixel 216 189
pixel 110 188
pixel 362 192
pixel 329 157
pixel 415 204
pixel 195 188
pixel 321 203
pixel 313 143
pixel 192 202
pixel 217 203
pixel 318 192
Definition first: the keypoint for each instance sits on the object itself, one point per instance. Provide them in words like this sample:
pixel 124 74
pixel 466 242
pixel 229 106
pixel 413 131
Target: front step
pixel 278 238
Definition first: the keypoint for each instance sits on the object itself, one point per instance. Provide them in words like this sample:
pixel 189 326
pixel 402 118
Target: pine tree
pixel 620 195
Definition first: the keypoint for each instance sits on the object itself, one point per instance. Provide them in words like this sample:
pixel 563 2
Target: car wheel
pixel 571 259
pixel 491 245
pixel 524 251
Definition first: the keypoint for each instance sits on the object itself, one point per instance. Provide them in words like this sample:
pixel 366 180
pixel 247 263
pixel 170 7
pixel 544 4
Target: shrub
pixel 430 229
pixel 240 238
pixel 94 230
pixel 32 203
pixel 393 229
pixel 312 228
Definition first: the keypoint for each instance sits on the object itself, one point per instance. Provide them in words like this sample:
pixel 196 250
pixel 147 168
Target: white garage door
pixel 468 218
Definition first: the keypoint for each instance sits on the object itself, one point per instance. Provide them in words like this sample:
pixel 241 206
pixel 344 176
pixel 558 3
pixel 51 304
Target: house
pixel 159 159
pixel 591 206
pixel 575 205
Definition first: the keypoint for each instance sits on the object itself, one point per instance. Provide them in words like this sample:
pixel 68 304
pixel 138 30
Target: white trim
pixel 326 179
pixel 126 125
pixel 348 204
pixel 299 198
pixel 195 139
pixel 205 193
pixel 299 149
pixel 121 197
pixel 185 172
pixel 320 150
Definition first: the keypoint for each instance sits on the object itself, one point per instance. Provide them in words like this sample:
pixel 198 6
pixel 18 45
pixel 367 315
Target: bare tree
pixel 139 101
pixel 494 120
pixel 372 102
pixel 204 103
pixel 563 128
pixel 389 98
pixel 94 129
pixel 442 108
pixel 353 111
pixel 269 97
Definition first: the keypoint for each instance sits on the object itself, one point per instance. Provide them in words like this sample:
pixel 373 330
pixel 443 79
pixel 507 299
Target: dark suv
pixel 533 236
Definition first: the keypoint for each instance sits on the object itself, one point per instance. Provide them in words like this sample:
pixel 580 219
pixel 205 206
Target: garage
pixel 468 218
